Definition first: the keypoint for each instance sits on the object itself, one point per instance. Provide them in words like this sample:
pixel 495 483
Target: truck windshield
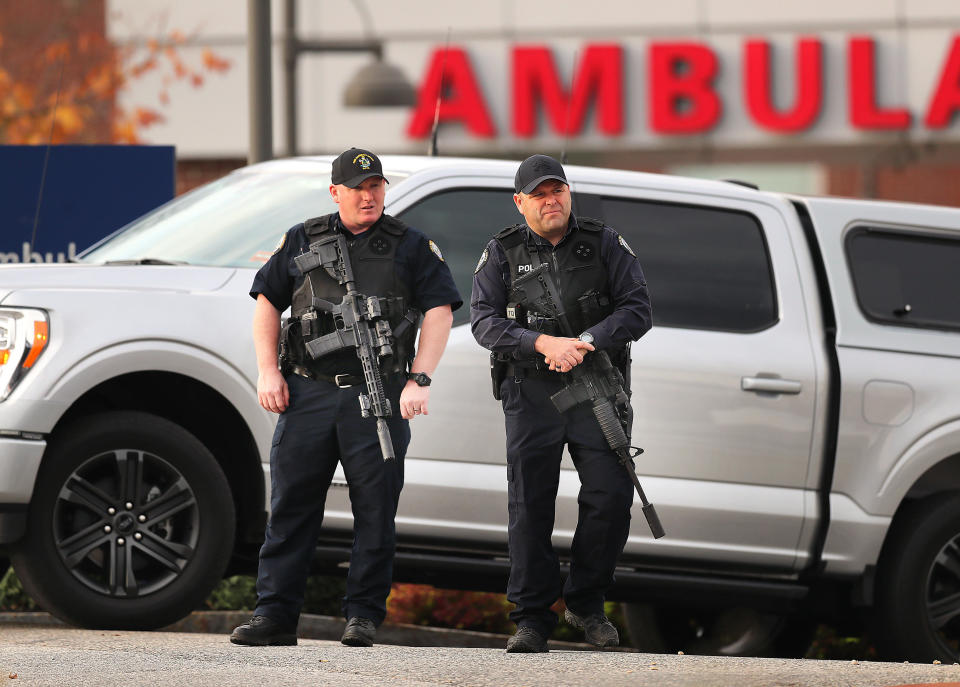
pixel 235 221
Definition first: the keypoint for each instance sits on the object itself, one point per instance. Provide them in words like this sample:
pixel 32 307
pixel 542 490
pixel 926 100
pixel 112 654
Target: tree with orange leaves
pixel 67 94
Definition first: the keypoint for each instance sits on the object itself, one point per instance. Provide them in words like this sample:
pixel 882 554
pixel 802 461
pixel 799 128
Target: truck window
pixel 461 222
pixel 707 268
pixel 906 279
pixel 235 221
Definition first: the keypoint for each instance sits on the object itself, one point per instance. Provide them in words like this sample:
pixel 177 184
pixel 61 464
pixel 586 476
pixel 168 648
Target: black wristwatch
pixel 420 378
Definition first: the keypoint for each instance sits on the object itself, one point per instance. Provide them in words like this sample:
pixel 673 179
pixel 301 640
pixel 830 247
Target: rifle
pixel 361 324
pixel 596 381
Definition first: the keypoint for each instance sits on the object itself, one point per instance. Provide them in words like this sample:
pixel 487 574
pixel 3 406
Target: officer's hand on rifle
pixel 561 353
pixel 272 391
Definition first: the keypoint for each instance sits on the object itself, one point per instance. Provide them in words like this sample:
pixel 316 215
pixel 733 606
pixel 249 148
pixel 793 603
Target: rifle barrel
pixel 649 512
pixel 386 443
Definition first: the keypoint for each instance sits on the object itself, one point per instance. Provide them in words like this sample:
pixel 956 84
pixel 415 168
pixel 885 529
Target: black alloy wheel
pixel 943 595
pixel 130 526
pixel 126 523
pixel 918 582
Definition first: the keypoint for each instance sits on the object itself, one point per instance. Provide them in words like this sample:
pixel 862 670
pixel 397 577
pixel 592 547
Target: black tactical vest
pixel 374 268
pixel 580 276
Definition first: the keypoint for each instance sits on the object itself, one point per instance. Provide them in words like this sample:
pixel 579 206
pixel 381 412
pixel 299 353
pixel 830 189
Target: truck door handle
pixel 770 385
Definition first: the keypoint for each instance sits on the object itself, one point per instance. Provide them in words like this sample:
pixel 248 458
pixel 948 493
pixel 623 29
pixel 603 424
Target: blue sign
pixel 88 192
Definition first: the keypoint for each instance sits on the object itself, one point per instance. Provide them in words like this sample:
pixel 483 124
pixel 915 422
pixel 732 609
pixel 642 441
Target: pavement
pixel 58 655
pixel 38 652
pixel 316 627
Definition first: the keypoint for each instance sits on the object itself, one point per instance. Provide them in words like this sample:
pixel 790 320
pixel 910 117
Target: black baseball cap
pixel 536 169
pixel 353 166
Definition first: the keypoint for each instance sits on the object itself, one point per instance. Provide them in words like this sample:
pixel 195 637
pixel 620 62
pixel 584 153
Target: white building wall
pixel 913 38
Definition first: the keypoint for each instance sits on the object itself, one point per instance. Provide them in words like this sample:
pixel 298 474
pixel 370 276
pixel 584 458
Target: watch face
pixel 587 337
pixel 420 378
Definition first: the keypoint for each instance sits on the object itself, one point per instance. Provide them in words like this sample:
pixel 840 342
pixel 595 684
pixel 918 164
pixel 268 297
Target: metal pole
pixel 290 54
pixel 261 94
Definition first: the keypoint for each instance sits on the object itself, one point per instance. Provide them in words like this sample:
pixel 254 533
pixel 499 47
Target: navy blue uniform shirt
pixel 630 319
pixel 417 265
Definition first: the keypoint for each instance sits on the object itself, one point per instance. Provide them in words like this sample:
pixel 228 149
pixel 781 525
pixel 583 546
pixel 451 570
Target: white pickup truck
pixel 798 400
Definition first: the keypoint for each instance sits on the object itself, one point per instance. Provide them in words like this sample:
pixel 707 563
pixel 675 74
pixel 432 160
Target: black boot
pixel 527 641
pixel 359 632
pixel 597 629
pixel 262 631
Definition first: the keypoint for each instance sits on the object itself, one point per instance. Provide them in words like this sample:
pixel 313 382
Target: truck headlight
pixel 24 334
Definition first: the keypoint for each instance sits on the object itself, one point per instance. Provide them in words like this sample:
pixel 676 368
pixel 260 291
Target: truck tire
pixel 918 583
pixel 130 526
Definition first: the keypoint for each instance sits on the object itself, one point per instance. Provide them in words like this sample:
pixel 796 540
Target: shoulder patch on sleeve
pixel 625 245
pixel 280 243
pixel 436 250
pixel 483 260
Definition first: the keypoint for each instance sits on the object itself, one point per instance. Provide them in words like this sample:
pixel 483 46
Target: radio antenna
pixel 566 117
pixel 566 130
pixel 46 158
pixel 432 150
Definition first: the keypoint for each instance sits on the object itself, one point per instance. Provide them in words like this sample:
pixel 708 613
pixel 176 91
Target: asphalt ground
pixel 58 655
pixel 313 627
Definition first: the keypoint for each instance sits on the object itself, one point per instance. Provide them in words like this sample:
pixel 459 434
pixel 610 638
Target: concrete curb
pixel 319 627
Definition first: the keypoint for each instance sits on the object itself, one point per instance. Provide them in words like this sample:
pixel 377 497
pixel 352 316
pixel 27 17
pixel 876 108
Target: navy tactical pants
pixel 536 434
pixel 323 426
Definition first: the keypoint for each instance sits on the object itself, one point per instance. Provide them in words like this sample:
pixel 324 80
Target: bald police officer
pixel 320 422
pixel 605 298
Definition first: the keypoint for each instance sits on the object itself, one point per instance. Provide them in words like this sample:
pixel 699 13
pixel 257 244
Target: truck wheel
pixel 130 526
pixel 918 583
pixel 737 631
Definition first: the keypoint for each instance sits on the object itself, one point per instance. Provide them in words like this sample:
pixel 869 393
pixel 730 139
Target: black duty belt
pixel 532 372
pixel 342 381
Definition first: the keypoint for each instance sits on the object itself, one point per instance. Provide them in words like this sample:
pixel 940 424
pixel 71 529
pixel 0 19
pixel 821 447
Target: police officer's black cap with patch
pixel 535 170
pixel 353 166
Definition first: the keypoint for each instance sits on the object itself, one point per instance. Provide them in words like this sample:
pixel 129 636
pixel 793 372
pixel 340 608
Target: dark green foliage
pixel 324 595
pixel 828 643
pixel 12 596
pixel 239 593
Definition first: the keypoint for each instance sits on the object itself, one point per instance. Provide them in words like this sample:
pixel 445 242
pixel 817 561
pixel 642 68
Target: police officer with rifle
pixel 345 383
pixel 596 381
pixel 550 295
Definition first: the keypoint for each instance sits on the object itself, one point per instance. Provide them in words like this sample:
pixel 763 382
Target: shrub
pixel 829 643
pixel 418 604
pixel 12 595
pixel 324 595
pixel 239 593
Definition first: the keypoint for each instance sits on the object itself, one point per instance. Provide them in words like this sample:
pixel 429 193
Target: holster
pixel 498 372
pixel 283 354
